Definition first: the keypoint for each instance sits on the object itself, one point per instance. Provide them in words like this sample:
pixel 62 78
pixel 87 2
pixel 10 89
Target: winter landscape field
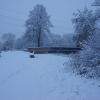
pixel 45 77
pixel 49 49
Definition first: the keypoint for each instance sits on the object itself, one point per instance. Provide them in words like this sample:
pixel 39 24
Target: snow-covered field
pixel 42 78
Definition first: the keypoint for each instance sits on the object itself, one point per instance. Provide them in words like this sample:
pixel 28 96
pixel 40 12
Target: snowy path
pixel 42 78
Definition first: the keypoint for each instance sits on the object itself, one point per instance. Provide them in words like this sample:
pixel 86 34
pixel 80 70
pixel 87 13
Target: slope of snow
pixel 42 78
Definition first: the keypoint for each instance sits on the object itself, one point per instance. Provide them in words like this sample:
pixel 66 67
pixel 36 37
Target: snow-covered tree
pixel 87 61
pixel 84 23
pixel 37 26
pixel 8 40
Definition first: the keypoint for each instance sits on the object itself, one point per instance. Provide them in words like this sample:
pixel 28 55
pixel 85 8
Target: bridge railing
pixel 53 50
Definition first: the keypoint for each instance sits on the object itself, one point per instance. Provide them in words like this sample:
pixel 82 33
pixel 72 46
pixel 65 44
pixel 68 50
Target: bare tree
pixel 37 26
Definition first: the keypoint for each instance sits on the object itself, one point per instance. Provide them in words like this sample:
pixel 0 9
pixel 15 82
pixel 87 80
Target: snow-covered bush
pixel 87 27
pixel 87 61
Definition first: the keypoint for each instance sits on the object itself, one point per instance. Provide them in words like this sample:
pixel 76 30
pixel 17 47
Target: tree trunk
pixel 39 38
pixel 38 41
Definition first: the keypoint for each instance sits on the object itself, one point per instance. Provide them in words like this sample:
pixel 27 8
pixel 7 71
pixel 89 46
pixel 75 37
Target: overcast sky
pixel 13 14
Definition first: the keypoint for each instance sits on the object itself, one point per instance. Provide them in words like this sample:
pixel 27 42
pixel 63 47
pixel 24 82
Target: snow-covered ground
pixel 42 78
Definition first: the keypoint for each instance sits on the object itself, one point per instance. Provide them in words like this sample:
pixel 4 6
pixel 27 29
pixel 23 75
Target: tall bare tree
pixel 37 26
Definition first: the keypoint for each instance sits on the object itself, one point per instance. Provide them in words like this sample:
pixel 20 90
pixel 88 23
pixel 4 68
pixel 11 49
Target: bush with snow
pixel 87 27
pixel 87 61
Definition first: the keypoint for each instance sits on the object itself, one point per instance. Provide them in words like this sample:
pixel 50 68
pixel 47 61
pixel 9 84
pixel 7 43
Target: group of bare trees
pixel 37 31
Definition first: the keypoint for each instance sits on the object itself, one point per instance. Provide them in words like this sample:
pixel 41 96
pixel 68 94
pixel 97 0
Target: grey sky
pixel 13 14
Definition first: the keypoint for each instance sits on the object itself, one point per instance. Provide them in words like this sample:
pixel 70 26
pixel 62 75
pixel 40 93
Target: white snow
pixel 42 78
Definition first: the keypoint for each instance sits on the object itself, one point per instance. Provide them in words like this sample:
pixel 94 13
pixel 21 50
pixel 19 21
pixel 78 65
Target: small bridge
pixel 53 50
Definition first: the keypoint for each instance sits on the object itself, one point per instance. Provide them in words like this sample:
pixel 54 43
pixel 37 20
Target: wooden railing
pixel 53 50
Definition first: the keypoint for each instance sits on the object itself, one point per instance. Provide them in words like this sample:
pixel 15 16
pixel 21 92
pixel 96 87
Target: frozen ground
pixel 42 78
